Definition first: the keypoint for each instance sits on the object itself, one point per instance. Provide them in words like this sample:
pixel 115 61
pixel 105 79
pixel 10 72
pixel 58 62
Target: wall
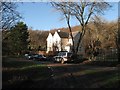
pixel 57 41
pixel 49 42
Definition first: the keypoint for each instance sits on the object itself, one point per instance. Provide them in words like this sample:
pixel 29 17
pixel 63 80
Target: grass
pixel 108 79
pixel 104 79
pixel 16 72
pixel 16 64
pixel 99 79
pixel 19 73
pixel 112 82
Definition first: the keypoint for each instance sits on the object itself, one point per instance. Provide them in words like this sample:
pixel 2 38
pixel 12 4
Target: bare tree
pixel 82 11
pixel 67 13
pixel 9 15
pixel 37 39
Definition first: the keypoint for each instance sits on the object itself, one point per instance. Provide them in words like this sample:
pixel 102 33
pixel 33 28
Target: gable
pixel 62 34
pixel 49 37
pixel 56 37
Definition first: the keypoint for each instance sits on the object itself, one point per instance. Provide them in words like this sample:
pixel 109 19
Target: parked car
pixel 63 57
pixel 39 57
pixel 29 56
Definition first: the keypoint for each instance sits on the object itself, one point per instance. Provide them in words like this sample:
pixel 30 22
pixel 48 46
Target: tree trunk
pixel 78 43
pixel 80 38
pixel 73 47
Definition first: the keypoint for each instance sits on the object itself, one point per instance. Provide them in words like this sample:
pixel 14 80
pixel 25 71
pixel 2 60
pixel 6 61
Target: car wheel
pixel 62 61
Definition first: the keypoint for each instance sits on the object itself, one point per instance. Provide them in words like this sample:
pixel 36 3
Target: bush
pixel 78 58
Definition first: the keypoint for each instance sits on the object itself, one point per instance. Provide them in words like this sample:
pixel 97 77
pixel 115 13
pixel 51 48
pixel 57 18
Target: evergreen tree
pixel 19 38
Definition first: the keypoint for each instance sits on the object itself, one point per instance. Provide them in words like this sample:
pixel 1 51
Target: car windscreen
pixel 38 56
pixel 61 54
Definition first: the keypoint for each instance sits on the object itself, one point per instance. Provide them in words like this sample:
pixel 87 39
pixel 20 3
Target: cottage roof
pixel 63 34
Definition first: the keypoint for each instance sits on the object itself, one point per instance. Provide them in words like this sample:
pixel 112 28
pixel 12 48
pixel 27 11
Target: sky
pixel 42 16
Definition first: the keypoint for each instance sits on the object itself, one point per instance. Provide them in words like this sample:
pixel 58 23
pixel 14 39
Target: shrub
pixel 78 58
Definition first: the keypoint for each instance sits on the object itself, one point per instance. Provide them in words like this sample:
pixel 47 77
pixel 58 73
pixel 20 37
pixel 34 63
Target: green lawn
pixel 97 77
pixel 16 72
pixel 29 74
pixel 102 79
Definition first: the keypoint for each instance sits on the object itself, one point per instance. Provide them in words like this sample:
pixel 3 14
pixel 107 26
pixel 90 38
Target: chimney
pixel 58 30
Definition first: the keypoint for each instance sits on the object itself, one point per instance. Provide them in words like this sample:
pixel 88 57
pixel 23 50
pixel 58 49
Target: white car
pixel 63 57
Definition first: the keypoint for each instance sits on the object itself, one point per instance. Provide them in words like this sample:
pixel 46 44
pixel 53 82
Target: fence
pixel 108 55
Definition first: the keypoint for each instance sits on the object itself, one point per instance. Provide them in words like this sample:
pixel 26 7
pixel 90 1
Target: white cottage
pixel 50 42
pixel 61 41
